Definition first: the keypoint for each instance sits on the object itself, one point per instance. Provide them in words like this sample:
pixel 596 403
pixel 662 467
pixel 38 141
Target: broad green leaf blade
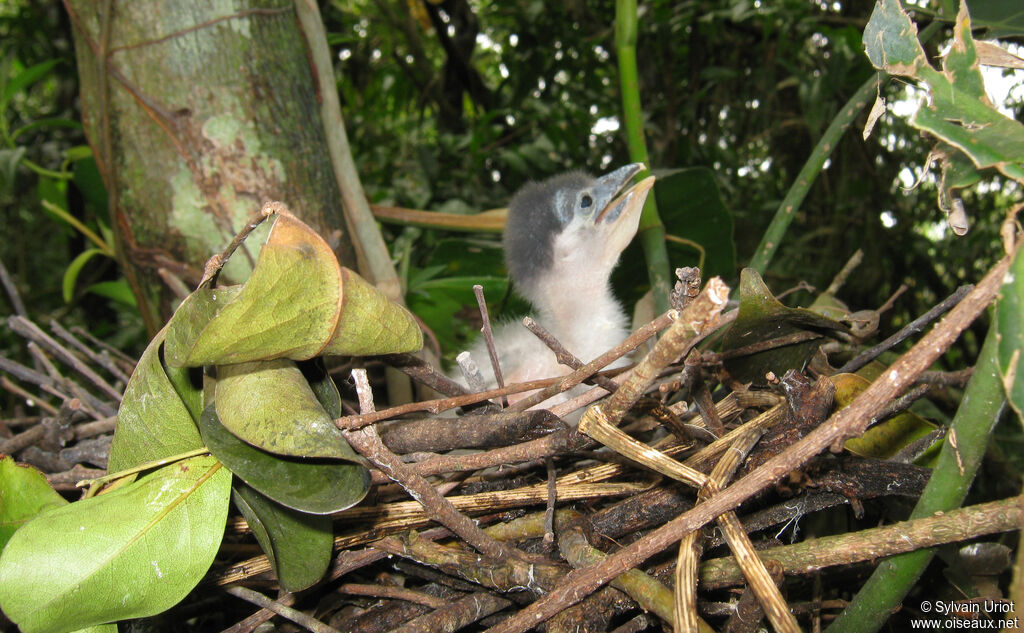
pixel 153 421
pixel 1002 18
pixel 1010 335
pixel 288 308
pixel 297 544
pixel 270 405
pixel 370 323
pixel 24 493
pixel 131 553
pixel 761 318
pixel 314 486
pixel 884 439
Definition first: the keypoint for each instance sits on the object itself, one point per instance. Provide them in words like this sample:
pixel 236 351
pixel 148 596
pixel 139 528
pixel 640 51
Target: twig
pixel 298 617
pixel 456 615
pixel 549 510
pixel 571 380
pixel 471 372
pixel 846 422
pixel 840 278
pixel 31 331
pixel 392 593
pixel 99 359
pixel 214 265
pixel 12 292
pixel 562 355
pixel 854 547
pixel 368 444
pixel 915 326
pixel 478 292
pixel 422 371
pixel 250 623
pixel 18 391
pixel 113 351
pixel 699 318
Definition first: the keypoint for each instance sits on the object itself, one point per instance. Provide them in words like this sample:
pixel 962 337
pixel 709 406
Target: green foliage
pixel 761 318
pixel 24 493
pixel 130 553
pixel 140 547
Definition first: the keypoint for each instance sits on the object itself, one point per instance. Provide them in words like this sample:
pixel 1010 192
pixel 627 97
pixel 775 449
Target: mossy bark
pixel 198 113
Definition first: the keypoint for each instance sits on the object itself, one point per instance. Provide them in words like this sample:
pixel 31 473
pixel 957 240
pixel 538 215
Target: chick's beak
pixel 621 214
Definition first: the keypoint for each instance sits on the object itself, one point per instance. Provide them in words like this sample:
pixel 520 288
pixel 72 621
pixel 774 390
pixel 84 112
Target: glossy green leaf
pixel 958 111
pixel 270 405
pixel 298 303
pixel 1010 335
pixel 118 291
pixel 762 318
pixel 316 486
pixel 297 544
pixel 691 207
pixel 191 318
pixel 153 421
pixel 130 553
pixel 884 439
pixel 24 493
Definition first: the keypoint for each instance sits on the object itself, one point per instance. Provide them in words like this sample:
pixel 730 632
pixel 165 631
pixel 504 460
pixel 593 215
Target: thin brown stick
pixel 103 361
pixel 214 265
pixel 295 616
pixel 866 545
pixel 575 378
pixel 13 388
pixel 368 444
pixel 456 615
pixel 847 422
pixel 392 593
pixel 478 292
pixel 915 326
pixel 31 331
pixel 562 355
pixel 698 318
pixel 12 292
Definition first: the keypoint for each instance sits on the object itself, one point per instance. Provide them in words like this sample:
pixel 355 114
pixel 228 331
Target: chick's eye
pixel 586 201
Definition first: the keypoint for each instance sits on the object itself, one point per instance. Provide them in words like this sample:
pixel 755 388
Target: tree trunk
pixel 197 114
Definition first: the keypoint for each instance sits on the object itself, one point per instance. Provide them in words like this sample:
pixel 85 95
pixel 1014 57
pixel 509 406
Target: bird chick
pixel 562 239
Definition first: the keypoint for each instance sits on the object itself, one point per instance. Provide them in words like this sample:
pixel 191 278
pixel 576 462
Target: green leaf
pixel 297 544
pixel 959 111
pixel 315 486
pixel 298 303
pixel 73 269
pixel 270 405
pixel 131 553
pixel 1010 335
pixel 24 493
pixel 1002 18
pixel 153 421
pixel 691 206
pixel 118 291
pixel 25 79
pixel 884 439
pixel 323 386
pixel 760 318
